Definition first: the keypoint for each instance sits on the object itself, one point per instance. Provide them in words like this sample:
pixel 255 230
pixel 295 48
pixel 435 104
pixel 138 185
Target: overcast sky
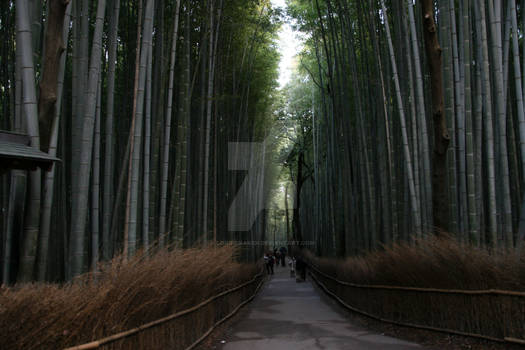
pixel 289 46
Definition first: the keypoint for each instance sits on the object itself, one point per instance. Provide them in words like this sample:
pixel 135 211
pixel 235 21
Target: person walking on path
pixel 300 266
pixel 269 261
pixel 282 250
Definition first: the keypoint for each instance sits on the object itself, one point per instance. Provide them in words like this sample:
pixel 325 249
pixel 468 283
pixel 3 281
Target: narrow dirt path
pixel 288 315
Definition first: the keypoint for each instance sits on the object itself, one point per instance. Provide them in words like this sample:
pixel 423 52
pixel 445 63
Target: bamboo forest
pixel 161 160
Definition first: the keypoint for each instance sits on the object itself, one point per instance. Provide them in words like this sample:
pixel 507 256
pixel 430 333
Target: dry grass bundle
pixel 437 262
pixel 121 296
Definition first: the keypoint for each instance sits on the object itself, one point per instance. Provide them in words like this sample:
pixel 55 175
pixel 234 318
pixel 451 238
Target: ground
pixel 290 315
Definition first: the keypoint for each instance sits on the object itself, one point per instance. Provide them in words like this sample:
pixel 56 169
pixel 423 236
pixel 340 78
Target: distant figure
pixel 282 250
pixel 277 258
pixel 292 267
pixel 269 260
pixel 300 266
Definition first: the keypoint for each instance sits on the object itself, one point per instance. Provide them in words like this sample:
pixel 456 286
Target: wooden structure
pixel 16 153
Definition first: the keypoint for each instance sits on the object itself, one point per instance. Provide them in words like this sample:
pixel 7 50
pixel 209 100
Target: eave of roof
pixel 15 155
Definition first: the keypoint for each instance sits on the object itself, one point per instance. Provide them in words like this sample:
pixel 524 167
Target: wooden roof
pixel 16 153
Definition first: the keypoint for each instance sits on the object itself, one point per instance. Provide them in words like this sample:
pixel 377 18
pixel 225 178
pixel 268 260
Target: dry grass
pixel 431 263
pixel 122 296
pixel 440 263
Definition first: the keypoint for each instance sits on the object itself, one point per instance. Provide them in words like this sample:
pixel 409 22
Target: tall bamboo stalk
pixel 408 160
pixel 29 107
pixel 167 129
pixel 137 139
pixel 109 125
pixel 77 251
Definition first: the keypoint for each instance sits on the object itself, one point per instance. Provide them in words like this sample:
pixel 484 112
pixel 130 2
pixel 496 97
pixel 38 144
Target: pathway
pixel 291 316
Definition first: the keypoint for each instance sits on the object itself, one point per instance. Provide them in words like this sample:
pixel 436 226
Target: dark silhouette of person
pixel 269 261
pixel 282 250
pixel 300 266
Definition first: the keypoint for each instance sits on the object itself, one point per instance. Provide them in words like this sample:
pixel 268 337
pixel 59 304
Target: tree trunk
pixel 441 136
pixel 54 46
pixel 487 93
pixel 495 19
pixel 77 251
pixel 426 185
pixel 137 139
pixel 406 149
pixel 108 151
pixel 95 192
pixel 167 130
pixel 49 178
pixel 147 158
pixel 181 166
pixel 132 130
pixel 211 76
pixel 29 106
pixel 471 183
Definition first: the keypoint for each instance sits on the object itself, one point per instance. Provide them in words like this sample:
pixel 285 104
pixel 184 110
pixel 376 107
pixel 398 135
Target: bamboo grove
pixel 413 122
pixel 408 120
pixel 139 100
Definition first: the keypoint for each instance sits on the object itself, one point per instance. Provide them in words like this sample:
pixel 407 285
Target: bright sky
pixel 289 46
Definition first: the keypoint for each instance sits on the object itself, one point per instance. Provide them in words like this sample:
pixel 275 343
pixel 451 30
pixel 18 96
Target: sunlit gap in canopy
pixel 289 44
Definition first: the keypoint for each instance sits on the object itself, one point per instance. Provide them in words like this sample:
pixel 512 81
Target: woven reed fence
pixel 185 329
pixel 495 315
